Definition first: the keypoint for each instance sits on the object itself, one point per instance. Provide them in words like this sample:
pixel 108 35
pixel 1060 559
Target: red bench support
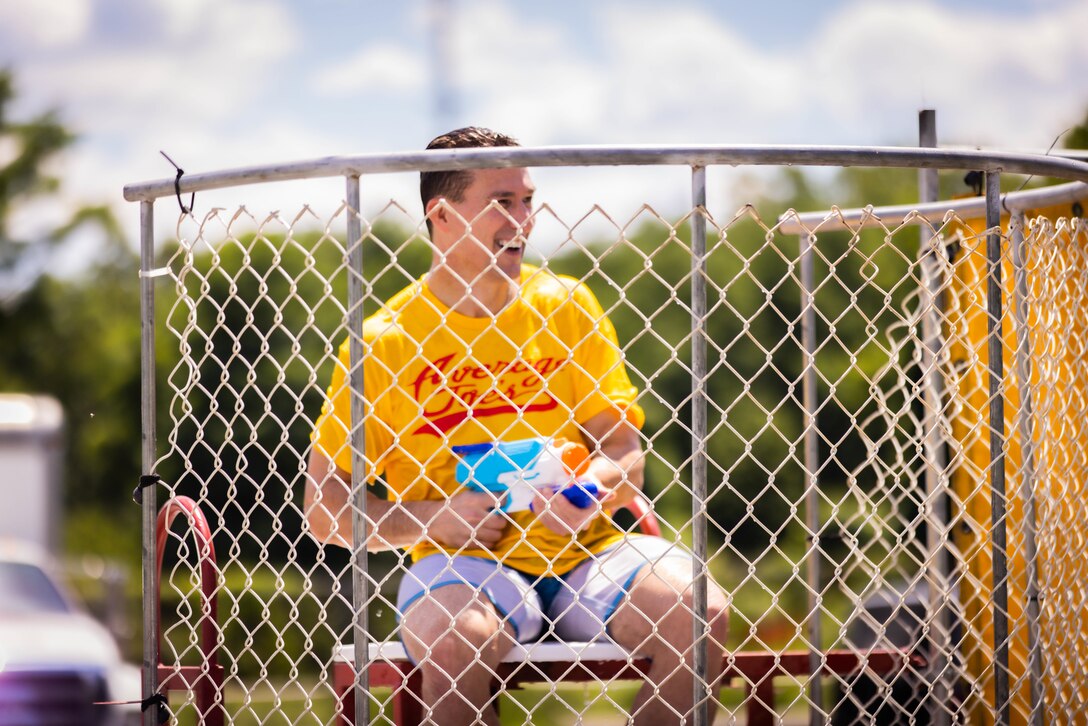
pixel 602 662
pixel 205 680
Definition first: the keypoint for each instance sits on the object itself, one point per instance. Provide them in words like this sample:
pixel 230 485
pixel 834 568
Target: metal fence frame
pixel 933 213
pixel 993 164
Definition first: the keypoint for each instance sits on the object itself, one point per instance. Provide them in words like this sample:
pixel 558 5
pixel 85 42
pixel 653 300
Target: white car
pixel 56 661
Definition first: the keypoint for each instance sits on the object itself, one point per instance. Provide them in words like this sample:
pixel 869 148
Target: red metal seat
pixel 553 662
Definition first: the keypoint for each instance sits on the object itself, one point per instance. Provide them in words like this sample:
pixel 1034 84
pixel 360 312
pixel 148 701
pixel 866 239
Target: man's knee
pixel 452 627
pixel 716 618
pixel 717 612
pixel 663 599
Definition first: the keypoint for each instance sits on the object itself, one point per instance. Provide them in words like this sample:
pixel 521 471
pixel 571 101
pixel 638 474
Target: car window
pixel 24 588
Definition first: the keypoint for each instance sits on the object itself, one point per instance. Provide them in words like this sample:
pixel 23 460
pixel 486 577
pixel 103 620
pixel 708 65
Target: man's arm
pixel 453 522
pixel 617 461
pixel 617 458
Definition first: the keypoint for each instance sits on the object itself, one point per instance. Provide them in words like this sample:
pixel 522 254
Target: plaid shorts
pixel 575 606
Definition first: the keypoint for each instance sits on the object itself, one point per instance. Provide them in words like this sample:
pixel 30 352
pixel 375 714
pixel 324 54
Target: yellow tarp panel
pixel 1057 306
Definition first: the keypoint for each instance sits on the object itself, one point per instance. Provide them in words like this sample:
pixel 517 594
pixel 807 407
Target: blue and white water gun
pixel 516 470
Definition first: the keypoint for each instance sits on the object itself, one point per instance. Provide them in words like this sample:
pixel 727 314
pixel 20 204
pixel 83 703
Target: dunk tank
pixel 865 424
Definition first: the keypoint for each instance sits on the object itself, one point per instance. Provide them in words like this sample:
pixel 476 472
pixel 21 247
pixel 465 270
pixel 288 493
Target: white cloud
pixel 684 75
pixel 383 67
pixel 996 80
pixel 48 23
pixel 183 17
pixel 525 77
pixel 201 69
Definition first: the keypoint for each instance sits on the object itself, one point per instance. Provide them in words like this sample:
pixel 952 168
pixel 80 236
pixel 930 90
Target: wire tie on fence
pixel 952 249
pixel 177 185
pixel 1048 150
pixel 975 180
pixel 146 480
pixel 158 700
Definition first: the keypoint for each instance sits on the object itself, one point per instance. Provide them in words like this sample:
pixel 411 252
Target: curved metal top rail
pixel 438 160
pixel 932 212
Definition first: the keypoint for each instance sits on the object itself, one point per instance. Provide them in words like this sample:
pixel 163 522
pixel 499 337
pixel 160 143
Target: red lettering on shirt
pixel 451 396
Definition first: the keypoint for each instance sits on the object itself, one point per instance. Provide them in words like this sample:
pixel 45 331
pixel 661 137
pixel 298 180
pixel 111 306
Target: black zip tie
pixel 952 249
pixel 159 700
pixel 146 480
pixel 973 179
pixel 177 186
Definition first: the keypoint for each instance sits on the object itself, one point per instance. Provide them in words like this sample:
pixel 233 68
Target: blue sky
pixel 223 83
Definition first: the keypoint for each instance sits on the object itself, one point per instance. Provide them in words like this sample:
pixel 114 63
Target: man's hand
pixel 562 517
pixel 469 518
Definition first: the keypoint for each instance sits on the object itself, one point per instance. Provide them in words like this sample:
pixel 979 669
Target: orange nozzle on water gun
pixel 575 456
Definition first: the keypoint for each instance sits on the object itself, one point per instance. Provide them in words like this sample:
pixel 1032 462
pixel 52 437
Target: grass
pixel 302 703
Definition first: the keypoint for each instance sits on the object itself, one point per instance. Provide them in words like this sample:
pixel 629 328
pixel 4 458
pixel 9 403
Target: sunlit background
pixel 96 89
pixel 226 83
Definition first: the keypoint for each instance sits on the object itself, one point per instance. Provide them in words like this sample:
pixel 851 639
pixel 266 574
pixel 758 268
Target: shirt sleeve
pixel 600 374
pixel 331 435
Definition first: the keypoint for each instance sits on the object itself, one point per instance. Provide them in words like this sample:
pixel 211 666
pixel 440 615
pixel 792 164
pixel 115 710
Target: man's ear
pixel 437 211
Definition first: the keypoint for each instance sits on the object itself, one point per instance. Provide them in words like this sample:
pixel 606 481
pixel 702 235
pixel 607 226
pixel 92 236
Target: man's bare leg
pixel 458 639
pixel 656 622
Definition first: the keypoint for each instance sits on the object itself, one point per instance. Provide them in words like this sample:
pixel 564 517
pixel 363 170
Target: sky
pixel 227 83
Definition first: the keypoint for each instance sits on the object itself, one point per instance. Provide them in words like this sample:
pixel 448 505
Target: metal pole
pixel 812 464
pixel 1026 427
pixel 997 448
pixel 359 574
pixel 686 155
pixel 927 139
pixel 443 69
pixel 701 689
pixel 149 501
pixel 936 457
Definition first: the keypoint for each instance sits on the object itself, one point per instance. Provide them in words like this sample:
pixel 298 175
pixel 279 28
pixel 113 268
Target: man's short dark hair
pixel 452 184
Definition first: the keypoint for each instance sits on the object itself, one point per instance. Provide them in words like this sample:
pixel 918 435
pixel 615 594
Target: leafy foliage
pixel 75 339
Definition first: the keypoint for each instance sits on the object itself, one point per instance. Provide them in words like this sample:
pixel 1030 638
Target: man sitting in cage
pixel 485 349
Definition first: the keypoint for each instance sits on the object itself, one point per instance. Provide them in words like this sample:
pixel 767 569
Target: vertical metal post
pixel 149 501
pixel 359 574
pixel 927 138
pixel 442 26
pixel 1026 428
pixel 812 465
pixel 936 459
pixel 998 507
pixel 700 630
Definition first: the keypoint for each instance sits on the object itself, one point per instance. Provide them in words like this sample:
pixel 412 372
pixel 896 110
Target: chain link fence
pixel 846 499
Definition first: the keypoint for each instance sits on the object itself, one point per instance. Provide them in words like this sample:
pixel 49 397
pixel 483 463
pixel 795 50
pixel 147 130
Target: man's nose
pixel 522 214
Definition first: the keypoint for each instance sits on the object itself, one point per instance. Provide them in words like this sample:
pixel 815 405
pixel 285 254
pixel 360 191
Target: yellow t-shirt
pixel 434 379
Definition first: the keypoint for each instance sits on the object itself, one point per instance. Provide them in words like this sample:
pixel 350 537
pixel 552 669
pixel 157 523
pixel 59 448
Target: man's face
pixel 486 231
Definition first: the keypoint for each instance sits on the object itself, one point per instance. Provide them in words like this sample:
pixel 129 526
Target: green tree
pixel 76 339
pixel 1077 137
pixel 33 144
